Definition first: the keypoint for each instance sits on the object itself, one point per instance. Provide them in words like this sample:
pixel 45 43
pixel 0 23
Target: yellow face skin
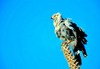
pixel 54 16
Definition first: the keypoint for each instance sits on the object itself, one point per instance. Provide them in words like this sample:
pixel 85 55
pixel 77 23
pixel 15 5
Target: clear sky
pixel 27 39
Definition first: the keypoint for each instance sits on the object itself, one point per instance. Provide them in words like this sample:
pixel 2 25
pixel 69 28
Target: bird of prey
pixel 68 31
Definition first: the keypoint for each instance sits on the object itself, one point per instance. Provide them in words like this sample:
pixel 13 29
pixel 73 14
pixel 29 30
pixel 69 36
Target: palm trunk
pixel 73 64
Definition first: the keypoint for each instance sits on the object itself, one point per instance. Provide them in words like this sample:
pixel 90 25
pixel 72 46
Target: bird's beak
pixel 51 18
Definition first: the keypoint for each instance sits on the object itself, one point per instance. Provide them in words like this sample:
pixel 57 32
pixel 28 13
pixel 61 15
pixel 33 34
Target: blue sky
pixel 27 39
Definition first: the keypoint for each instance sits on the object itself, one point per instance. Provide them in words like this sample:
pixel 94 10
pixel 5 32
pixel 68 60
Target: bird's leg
pixel 69 41
pixel 66 42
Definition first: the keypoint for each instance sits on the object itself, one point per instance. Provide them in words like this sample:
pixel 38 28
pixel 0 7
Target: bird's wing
pixel 81 40
pixel 68 24
pixel 71 28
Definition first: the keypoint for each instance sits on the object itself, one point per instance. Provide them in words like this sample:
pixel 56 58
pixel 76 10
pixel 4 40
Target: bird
pixel 68 31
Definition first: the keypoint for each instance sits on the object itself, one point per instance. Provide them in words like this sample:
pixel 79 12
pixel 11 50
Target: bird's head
pixel 56 16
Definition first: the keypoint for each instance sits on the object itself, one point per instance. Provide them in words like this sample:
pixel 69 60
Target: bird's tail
pixel 81 47
pixel 77 57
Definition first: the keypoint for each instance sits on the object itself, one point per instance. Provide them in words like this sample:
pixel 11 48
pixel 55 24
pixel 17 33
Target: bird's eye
pixel 54 15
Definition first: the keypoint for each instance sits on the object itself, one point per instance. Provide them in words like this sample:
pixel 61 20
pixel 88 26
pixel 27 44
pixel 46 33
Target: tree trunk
pixel 73 64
